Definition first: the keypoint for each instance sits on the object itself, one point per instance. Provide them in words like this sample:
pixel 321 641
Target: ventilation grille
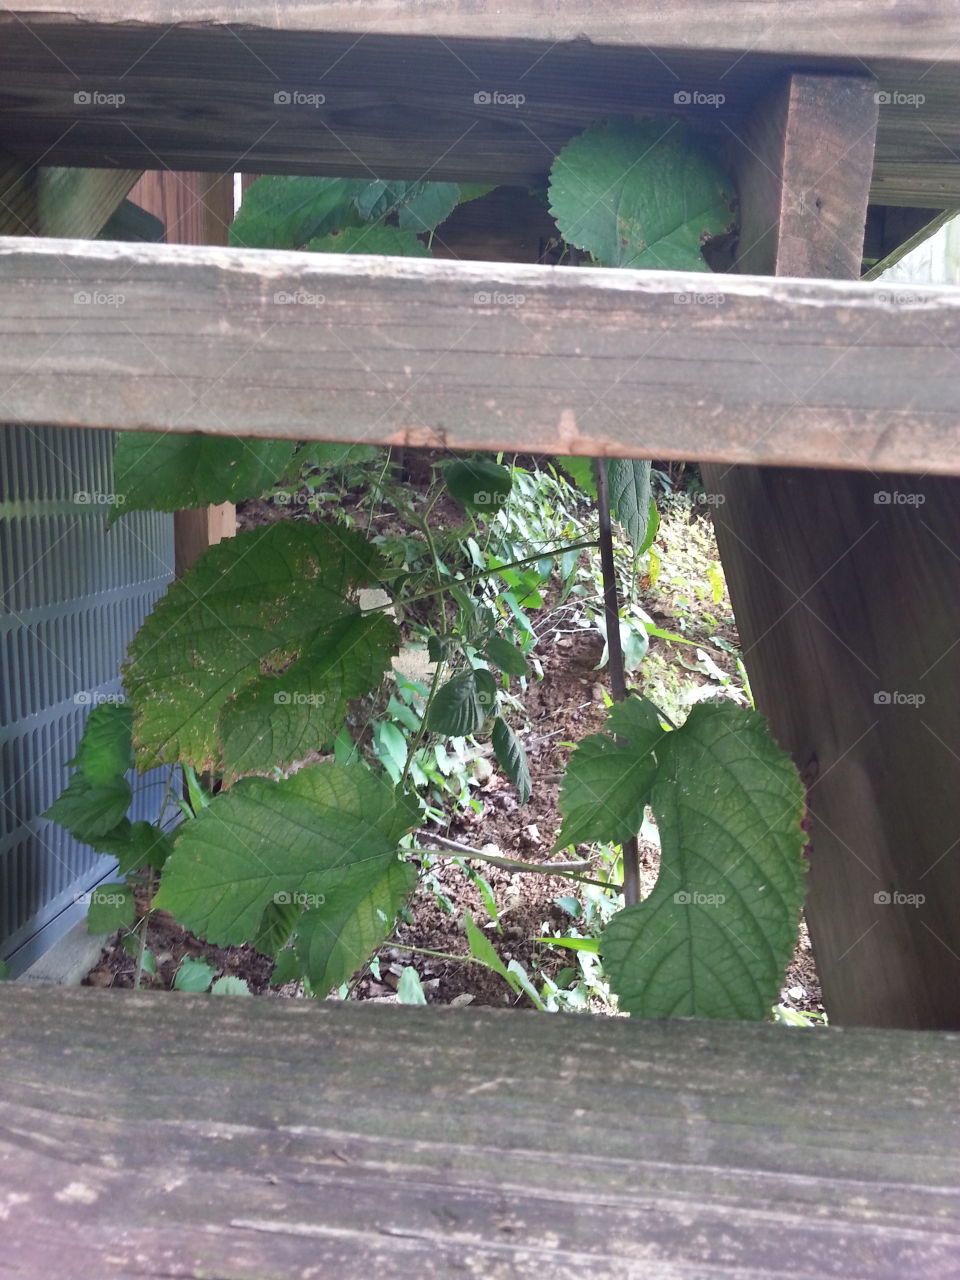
pixel 72 595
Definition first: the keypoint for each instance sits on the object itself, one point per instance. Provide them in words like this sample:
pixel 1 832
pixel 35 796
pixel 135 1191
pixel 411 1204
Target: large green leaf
pixel 250 657
pixel 629 483
pixel 336 937
pixel 284 213
pixel 371 239
pixel 292 842
pixel 275 720
pixel 607 783
pixel 165 471
pixel 511 757
pixel 714 937
pixel 645 194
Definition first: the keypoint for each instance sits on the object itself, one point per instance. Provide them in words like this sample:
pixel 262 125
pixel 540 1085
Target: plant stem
pixel 418 737
pixel 454 846
pixel 440 955
pixel 534 868
pixel 138 974
pixel 618 678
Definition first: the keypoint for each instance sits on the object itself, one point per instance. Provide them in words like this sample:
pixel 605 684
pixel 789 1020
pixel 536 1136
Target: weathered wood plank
pixel 77 203
pixel 479 355
pixel 196 83
pixel 146 1135
pixel 849 611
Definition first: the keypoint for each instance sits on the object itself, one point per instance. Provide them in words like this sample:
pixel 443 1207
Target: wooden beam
pixel 904 234
pixel 74 203
pixel 846 589
pixel 199 1135
pixel 195 88
pixel 478 355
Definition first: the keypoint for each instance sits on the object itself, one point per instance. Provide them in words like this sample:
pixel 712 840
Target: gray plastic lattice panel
pixel 72 595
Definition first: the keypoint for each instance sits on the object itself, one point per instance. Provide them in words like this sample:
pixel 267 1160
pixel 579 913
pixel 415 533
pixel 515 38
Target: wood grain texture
pixel 198 82
pixel 164 1135
pixel 410 351
pixel 42 201
pixel 848 608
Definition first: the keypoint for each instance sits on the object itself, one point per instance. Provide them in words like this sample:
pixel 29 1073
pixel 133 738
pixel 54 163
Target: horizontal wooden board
pixel 480 355
pixel 195 87
pixel 164 1135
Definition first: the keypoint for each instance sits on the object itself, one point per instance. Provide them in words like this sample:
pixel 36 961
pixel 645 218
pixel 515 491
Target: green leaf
pixel 134 845
pixel 506 657
pixel 410 988
pixel 580 471
pixel 294 841
pixel 645 194
pixel 456 709
pixel 607 783
pixel 111 908
pixel 166 471
pixel 193 975
pixel 574 944
pixel 474 190
pixel 478 486
pixel 714 937
pixel 512 758
pixel 487 690
pixel 418 206
pixel 284 213
pixel 230 986
pixel 329 453
pixel 482 949
pixel 249 659
pixel 371 239
pixel 629 482
pixel 525 985
pixel 105 752
pixel 391 748
pixel 289 968
pixel 89 811
pixel 4 971
pixel 275 720
pixel 336 937
pixel 276 927
pixel 653 527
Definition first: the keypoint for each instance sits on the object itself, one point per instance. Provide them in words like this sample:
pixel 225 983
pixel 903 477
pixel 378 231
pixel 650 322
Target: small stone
pixel 482 769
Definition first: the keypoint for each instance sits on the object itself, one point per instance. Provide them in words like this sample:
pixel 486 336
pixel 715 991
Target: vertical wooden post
pixel 196 208
pixel 846 588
